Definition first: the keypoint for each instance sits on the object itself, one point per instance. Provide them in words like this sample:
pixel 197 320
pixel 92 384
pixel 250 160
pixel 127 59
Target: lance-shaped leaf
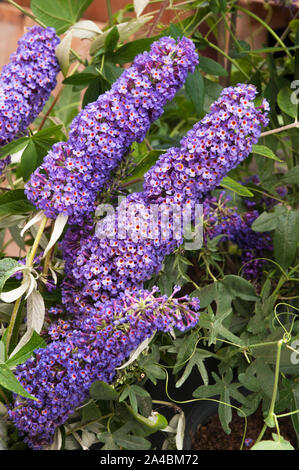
pixel 179 438
pixel 8 267
pixel 58 228
pixel 125 30
pixel 26 351
pixel 13 295
pixel 35 319
pixel 139 6
pixel 222 391
pixel 197 360
pixel 286 237
pixel 62 52
pixel 37 218
pixel 265 152
pixel 10 382
pixel 232 185
pixel 85 29
pixel 135 354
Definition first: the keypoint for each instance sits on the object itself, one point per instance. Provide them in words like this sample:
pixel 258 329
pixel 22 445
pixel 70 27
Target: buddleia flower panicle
pixel 26 82
pixel 60 375
pixel 214 146
pixel 107 263
pixel 74 172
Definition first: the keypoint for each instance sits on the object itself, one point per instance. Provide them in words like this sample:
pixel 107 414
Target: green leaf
pixel 222 390
pixel 10 382
pixel 13 147
pixel 154 372
pixel 127 53
pixel 130 442
pixel 28 160
pixel 125 29
pixel 265 152
pixel 60 14
pixel 206 294
pixel 51 131
pixel 90 412
pixel 2 352
pixel 82 78
pixel 67 107
pixel 111 72
pixel 267 221
pixel 265 376
pixel 240 50
pixel 239 287
pixel 144 165
pixel 186 349
pixel 102 391
pixel 14 202
pixel 131 391
pixel 141 392
pixel 35 342
pixel 286 237
pixel 214 323
pixel 95 89
pixel 211 67
pixel 212 92
pixel 175 31
pixel 111 40
pixel 197 359
pixel 232 185
pixel 109 441
pixel 285 102
pixel 195 90
pixel 291 177
pixel 7 268
pixel 225 411
pixel 280 444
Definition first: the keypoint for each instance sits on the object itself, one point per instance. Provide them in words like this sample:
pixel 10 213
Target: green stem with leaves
pixel 110 15
pixel 12 323
pixel 268 28
pixel 271 414
pixel 26 12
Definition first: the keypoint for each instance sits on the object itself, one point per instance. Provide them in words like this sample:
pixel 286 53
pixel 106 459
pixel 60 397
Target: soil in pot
pixel 210 436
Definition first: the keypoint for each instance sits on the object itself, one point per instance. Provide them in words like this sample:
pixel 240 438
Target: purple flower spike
pixel 74 172
pixel 60 375
pixel 27 81
pixel 215 145
pixel 101 267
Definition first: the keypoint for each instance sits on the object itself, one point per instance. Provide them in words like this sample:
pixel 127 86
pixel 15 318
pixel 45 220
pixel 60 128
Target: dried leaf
pixel 59 225
pixel 85 29
pixel 63 52
pixel 139 6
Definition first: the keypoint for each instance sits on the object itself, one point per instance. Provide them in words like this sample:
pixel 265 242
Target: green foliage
pixel 59 14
